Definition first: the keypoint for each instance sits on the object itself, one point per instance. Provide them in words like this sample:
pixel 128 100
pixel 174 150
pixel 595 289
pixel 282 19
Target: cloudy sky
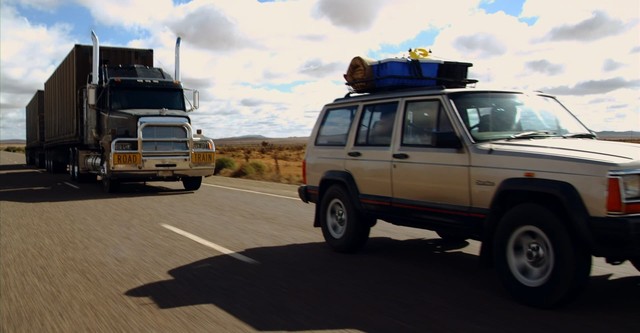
pixel 267 67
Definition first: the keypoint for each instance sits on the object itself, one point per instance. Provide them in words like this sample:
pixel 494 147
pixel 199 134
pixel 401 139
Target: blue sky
pixel 267 67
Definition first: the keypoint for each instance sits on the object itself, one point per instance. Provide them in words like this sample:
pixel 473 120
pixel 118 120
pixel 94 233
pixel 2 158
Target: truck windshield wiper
pixel 580 135
pixel 530 134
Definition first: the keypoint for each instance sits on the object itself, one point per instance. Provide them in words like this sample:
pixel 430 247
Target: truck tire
pixel 536 258
pixel 74 168
pixel 343 227
pixel 110 185
pixel 191 183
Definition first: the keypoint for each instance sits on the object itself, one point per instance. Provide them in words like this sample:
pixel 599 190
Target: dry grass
pixel 282 160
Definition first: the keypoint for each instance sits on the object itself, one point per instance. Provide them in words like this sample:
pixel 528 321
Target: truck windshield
pixel 512 116
pixel 122 99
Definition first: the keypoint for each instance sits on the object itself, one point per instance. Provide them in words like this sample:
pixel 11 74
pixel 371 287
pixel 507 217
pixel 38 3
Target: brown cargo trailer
pixel 34 153
pixel 64 109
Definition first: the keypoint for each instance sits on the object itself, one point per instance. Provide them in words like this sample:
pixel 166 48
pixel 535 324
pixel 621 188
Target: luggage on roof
pixel 367 75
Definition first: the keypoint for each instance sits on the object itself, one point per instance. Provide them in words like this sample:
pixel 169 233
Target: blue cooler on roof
pixel 365 75
pixel 405 73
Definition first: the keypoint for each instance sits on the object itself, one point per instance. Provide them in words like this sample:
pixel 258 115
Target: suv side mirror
pixel 447 140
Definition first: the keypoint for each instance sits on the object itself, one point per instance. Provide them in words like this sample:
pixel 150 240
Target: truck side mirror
pixel 196 99
pixel 91 95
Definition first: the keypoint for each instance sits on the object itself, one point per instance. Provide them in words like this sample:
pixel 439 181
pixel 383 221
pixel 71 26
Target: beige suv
pixel 514 170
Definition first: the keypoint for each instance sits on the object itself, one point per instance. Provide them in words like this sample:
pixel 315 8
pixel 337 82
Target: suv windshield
pixel 498 116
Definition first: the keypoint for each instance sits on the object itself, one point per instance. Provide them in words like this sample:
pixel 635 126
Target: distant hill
pixel 618 135
pixel 13 142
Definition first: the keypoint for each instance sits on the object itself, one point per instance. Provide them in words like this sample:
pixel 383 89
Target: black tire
pixel 73 164
pixel 110 185
pixel 343 227
pixel 536 258
pixel 192 183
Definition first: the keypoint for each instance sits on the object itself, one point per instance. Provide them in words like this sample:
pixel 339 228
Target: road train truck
pixel 107 114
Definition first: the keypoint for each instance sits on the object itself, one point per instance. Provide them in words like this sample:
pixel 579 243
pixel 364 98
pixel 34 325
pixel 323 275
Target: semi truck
pixel 107 114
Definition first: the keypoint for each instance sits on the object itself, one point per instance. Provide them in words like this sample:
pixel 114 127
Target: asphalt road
pixel 242 256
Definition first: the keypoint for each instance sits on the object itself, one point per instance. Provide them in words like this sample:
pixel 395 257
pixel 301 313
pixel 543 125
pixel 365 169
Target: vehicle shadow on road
pixel 22 183
pixel 416 285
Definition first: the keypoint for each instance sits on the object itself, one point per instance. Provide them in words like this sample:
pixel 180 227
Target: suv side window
pixel 334 128
pixel 376 124
pixel 422 119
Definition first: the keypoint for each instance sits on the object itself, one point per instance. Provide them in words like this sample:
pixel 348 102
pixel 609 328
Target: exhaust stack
pixel 96 58
pixel 177 74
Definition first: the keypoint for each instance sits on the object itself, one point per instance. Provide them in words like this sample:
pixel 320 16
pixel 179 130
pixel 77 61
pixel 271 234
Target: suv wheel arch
pixel 560 197
pixel 343 178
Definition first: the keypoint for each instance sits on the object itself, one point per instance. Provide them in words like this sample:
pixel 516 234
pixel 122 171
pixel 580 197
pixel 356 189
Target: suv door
pixel 429 180
pixel 369 158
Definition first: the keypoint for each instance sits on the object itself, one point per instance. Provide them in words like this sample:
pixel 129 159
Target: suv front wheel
pixel 343 227
pixel 536 258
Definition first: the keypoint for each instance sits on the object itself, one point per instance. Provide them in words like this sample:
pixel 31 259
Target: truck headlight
pixel 202 145
pixel 125 146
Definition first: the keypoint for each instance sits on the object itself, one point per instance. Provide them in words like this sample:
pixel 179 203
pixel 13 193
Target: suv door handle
pixel 354 153
pixel 401 156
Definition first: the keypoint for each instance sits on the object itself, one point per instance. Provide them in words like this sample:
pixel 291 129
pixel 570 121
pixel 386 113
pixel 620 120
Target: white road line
pixel 24 189
pixel 210 244
pixel 255 192
pixel 69 184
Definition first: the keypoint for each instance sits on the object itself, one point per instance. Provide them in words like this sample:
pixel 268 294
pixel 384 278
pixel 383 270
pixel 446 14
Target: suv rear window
pixel 376 124
pixel 334 128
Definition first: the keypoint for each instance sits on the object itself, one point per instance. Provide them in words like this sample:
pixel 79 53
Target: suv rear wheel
pixel 343 227
pixel 536 258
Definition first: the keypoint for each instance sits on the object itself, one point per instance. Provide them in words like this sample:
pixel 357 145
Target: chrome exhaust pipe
pixel 96 58
pixel 177 74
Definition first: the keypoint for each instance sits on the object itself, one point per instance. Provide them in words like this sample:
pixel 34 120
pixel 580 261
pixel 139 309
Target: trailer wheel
pixel 191 183
pixel 110 185
pixel 73 164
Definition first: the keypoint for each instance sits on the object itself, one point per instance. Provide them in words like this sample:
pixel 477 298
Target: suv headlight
pixel 623 196
pixel 631 186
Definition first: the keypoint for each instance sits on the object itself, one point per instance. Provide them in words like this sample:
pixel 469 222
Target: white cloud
pixel 267 68
pixel 28 55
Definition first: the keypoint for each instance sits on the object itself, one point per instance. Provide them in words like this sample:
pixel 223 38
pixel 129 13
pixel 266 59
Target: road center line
pixel 210 244
pixel 255 192
pixel 69 184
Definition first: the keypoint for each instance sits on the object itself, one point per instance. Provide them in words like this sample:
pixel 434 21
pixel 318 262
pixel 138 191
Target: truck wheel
pixel 191 183
pixel 537 260
pixel 343 227
pixel 110 185
pixel 73 164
